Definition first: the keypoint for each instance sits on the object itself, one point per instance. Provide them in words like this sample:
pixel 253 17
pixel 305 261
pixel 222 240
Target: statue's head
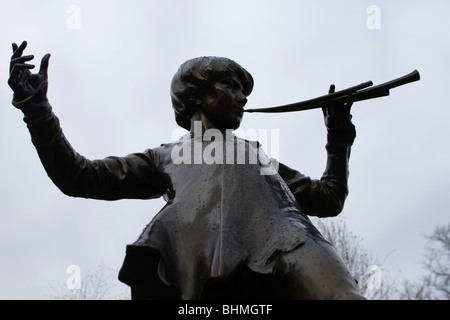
pixel 196 77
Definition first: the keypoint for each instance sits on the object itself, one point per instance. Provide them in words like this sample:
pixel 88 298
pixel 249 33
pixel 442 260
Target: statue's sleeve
pixel 322 197
pixel 135 176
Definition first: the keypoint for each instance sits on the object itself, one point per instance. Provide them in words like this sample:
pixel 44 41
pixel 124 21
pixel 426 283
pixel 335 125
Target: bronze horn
pixel 351 94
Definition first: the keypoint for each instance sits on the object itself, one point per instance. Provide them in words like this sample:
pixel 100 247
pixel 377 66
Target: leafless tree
pixel 374 281
pixel 97 285
pixel 435 285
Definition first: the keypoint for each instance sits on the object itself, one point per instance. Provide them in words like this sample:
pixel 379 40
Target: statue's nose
pixel 242 102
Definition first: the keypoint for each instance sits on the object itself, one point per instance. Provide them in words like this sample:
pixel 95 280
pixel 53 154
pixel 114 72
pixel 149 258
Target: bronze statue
pixel 227 230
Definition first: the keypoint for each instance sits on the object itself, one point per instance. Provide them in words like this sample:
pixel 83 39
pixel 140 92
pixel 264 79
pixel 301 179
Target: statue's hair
pixel 197 75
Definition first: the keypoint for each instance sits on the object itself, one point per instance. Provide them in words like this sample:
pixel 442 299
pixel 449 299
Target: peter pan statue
pixel 229 228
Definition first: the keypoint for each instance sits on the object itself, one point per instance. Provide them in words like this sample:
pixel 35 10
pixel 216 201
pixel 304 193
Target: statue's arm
pixel 325 197
pixel 134 176
pixel 322 197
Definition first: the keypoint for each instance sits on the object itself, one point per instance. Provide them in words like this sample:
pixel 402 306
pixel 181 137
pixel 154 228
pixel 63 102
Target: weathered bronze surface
pixel 236 223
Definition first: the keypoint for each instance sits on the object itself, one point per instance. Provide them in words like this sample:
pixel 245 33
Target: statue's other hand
pixel 338 121
pixel 337 116
pixel 24 83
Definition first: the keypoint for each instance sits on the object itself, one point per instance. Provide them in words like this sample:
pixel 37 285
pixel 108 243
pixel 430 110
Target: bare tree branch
pixel 359 261
pixel 436 260
pixel 94 286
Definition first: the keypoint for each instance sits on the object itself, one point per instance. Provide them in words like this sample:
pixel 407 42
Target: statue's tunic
pixel 222 215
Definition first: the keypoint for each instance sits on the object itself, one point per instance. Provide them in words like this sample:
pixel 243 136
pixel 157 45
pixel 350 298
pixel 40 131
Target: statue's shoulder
pixel 163 152
pixel 164 147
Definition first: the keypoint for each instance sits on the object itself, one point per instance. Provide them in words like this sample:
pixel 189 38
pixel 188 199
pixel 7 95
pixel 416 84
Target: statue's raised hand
pixel 338 121
pixel 24 83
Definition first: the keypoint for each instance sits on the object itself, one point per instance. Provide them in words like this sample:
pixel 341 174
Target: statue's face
pixel 224 102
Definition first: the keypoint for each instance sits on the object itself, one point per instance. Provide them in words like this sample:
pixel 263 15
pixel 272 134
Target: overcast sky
pixel 109 76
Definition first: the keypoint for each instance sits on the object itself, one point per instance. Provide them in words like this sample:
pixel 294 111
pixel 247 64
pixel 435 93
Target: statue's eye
pixel 231 83
pixel 235 84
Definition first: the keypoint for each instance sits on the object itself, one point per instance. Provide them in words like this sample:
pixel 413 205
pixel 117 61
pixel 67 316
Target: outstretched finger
pixel 23 58
pixel 44 66
pixel 18 50
pixel 19 67
pixel 20 60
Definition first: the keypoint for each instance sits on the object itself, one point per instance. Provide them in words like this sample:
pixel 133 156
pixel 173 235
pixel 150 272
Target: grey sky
pixel 109 85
